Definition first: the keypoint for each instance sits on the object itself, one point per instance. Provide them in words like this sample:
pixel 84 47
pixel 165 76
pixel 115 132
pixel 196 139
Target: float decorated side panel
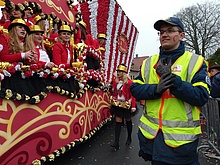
pixel 30 132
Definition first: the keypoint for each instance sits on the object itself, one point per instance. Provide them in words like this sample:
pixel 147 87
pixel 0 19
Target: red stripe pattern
pixel 112 21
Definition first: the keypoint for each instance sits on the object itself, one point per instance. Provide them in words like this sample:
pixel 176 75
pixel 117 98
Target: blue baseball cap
pixel 171 21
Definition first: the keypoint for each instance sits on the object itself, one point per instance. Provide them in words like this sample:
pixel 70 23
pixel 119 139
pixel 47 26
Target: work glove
pixel 164 66
pixel 166 81
pixel 145 156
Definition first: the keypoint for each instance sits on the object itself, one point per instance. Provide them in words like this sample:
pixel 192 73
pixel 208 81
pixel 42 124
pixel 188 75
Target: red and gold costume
pixel 88 41
pixel 60 54
pixel 5 55
pixel 123 104
pixel 42 57
pixel 125 91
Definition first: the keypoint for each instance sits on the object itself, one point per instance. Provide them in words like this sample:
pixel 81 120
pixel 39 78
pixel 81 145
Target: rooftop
pixel 137 62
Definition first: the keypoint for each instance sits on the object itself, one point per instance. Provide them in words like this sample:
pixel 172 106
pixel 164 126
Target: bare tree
pixel 202 27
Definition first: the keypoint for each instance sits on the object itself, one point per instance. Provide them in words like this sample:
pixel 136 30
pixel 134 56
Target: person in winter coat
pixel 174 84
pixel 215 81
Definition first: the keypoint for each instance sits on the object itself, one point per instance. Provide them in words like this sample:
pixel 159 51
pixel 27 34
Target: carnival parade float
pixel 46 112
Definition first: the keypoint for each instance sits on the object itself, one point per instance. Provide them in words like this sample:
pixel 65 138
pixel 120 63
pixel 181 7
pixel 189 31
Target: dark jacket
pixel 215 82
pixel 183 90
pixel 194 95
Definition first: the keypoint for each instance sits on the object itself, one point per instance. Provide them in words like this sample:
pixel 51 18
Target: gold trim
pixel 102 36
pixel 121 104
pixel 122 68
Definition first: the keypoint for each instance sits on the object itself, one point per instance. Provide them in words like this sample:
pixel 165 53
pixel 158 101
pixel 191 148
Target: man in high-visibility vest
pixel 173 83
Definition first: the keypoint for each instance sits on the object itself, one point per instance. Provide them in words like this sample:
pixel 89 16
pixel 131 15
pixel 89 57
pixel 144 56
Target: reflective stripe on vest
pixel 178 120
pixel 173 123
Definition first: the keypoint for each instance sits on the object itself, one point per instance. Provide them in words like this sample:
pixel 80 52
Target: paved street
pixel 96 151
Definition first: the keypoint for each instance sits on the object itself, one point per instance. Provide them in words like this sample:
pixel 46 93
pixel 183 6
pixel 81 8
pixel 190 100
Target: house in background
pixel 135 66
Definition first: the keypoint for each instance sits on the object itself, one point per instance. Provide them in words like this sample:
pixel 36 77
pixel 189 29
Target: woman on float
pixel 62 53
pixel 12 50
pixel 11 45
pixel 35 44
pixel 62 50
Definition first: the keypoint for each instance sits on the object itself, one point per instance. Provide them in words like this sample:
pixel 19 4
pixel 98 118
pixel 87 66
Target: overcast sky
pixel 144 14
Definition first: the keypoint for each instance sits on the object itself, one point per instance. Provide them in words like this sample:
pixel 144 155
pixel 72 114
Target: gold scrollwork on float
pixel 123 43
pixel 81 112
pixel 69 16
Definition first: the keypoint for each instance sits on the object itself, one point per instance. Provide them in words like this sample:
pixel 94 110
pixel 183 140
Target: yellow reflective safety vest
pixel 178 120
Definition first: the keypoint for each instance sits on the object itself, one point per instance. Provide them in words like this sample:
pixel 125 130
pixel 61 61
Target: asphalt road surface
pixel 97 150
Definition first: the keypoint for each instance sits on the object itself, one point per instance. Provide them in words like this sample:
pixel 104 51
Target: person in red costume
pixel 5 16
pixel 11 45
pixel 28 14
pixel 35 9
pixel 82 36
pixel 100 42
pixel 41 21
pixel 120 93
pixel 12 50
pixel 62 51
pixel 35 44
pixel 16 11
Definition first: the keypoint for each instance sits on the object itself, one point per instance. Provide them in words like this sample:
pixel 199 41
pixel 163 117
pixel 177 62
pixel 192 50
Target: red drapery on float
pixel 60 8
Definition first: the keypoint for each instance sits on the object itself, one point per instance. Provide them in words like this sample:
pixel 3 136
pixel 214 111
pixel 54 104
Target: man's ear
pixel 182 35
